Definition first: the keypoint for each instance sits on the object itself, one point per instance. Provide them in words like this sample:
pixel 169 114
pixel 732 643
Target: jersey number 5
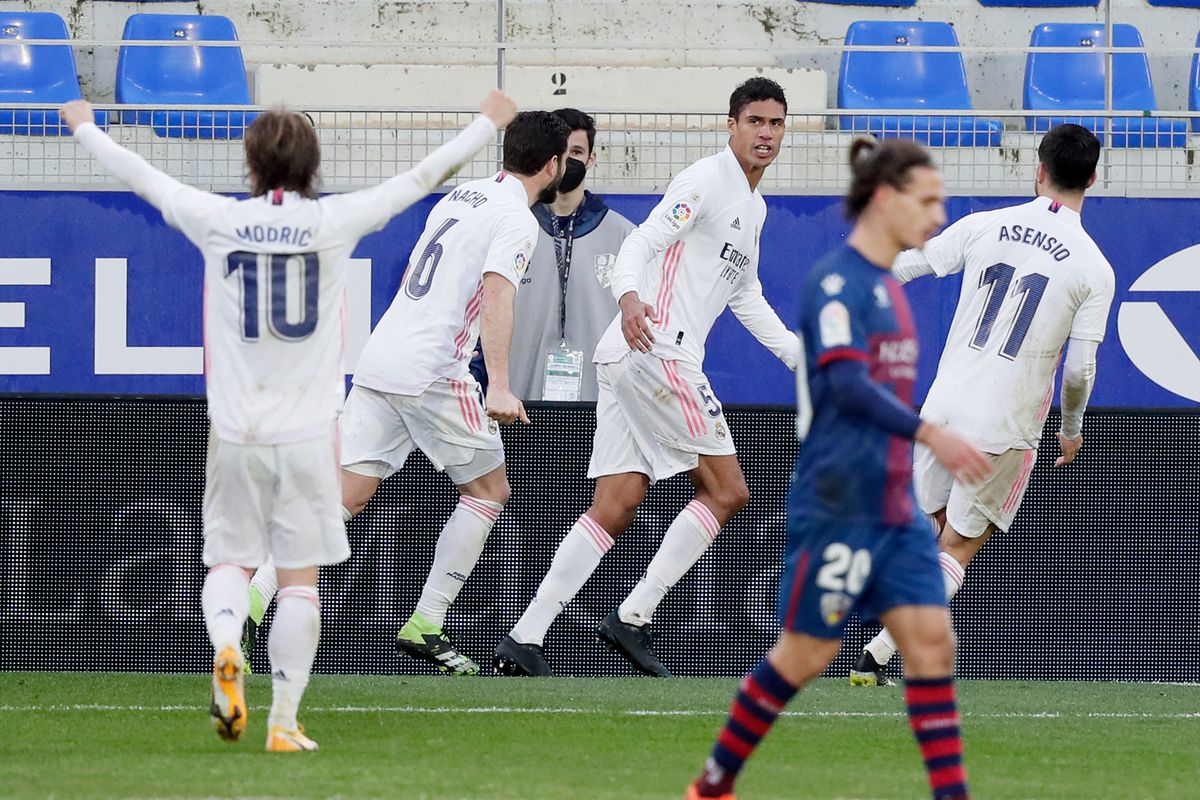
pixel 997 278
pixel 301 293
pixel 419 278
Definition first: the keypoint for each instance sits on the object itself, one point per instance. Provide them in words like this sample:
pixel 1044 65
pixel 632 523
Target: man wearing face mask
pixel 412 389
pixel 565 302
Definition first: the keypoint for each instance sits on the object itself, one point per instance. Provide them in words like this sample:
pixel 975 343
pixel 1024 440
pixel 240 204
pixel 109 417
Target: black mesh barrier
pixel 100 538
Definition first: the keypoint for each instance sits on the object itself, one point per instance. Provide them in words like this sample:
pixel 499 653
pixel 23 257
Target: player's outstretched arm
pixel 1079 375
pixel 910 265
pixel 855 392
pixel 371 209
pixel 960 457
pixel 147 182
pixel 754 312
pixel 495 333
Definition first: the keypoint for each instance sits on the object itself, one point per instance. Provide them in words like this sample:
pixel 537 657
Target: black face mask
pixel 573 175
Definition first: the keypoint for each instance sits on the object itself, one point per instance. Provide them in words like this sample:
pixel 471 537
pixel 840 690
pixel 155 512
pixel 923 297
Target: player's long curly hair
pixel 282 152
pixel 874 163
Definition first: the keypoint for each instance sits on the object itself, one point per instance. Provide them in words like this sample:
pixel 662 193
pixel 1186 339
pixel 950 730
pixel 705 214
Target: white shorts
pixel 971 509
pixel 446 421
pixel 284 500
pixel 655 417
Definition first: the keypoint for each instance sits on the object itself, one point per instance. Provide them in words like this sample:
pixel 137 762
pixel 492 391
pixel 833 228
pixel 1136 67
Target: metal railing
pixel 637 152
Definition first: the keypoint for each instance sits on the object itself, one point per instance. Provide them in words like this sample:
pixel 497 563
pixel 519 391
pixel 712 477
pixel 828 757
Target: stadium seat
pixel 36 74
pixel 1066 82
pixel 906 79
pixel 1176 3
pixel 184 76
pixel 1039 3
pixel 890 3
pixel 1194 87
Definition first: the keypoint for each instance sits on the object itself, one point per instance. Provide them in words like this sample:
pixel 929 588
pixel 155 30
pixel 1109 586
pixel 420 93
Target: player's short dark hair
pixel 1070 153
pixel 282 152
pixel 874 163
pixel 532 139
pixel 753 90
pixel 579 121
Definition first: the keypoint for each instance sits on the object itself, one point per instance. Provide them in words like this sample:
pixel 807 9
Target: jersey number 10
pixel 278 292
pixel 997 278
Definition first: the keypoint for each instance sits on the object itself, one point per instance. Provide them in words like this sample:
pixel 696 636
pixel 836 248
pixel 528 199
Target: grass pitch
pixel 126 735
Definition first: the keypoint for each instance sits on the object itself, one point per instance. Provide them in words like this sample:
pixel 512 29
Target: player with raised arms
pixel 412 386
pixel 274 293
pixel 855 539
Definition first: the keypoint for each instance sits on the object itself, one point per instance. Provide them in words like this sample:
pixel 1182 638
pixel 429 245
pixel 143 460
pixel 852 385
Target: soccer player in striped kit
pixel 856 540
pixel 1034 283
pixel 274 299
pixel 657 415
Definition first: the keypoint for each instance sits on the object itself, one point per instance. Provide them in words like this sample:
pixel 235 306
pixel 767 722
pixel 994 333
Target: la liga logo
pixel 681 212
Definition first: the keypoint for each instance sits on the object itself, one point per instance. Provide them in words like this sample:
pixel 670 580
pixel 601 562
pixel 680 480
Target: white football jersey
pixel 694 255
pixel 1032 278
pixel 275 284
pixel 429 331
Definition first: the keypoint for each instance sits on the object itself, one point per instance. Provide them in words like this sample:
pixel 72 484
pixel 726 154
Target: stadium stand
pixel 1066 82
pixel 908 79
pixel 36 74
pixel 888 3
pixel 183 76
pixel 1038 3
pixel 1194 87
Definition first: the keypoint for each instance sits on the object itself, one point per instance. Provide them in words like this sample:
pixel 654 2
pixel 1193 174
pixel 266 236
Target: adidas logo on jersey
pixel 736 224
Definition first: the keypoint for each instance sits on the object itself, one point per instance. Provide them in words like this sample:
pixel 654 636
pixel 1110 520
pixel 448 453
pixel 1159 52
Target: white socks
pixel 688 538
pixel 263 586
pixel 225 603
pixel 292 645
pixel 577 557
pixel 883 646
pixel 458 549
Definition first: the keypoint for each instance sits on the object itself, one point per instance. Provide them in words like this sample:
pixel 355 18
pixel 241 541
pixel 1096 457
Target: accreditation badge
pixel 563 379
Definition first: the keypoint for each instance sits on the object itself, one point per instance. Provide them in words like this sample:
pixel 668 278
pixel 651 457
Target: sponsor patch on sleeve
pixel 521 262
pixel 835 325
pixel 678 215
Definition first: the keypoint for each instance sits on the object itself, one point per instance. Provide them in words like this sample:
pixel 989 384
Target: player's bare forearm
pixel 495 331
pixel 496 326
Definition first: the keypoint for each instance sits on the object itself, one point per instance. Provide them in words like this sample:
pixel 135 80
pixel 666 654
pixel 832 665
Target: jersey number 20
pixel 279 289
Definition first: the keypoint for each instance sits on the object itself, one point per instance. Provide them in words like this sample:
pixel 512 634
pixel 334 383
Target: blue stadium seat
pixel 184 76
pixel 1065 82
pixel 906 79
pixel 1039 3
pixel 891 3
pixel 1194 87
pixel 1176 3
pixel 36 74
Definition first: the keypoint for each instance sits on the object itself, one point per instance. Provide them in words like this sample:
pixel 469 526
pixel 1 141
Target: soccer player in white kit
pixel 412 386
pixel 1033 282
pixel 274 298
pixel 657 414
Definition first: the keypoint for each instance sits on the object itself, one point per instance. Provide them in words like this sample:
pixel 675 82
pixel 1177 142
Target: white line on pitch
pixel 622 712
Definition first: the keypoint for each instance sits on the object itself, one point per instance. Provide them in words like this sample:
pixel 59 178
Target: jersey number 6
pixel 419 278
